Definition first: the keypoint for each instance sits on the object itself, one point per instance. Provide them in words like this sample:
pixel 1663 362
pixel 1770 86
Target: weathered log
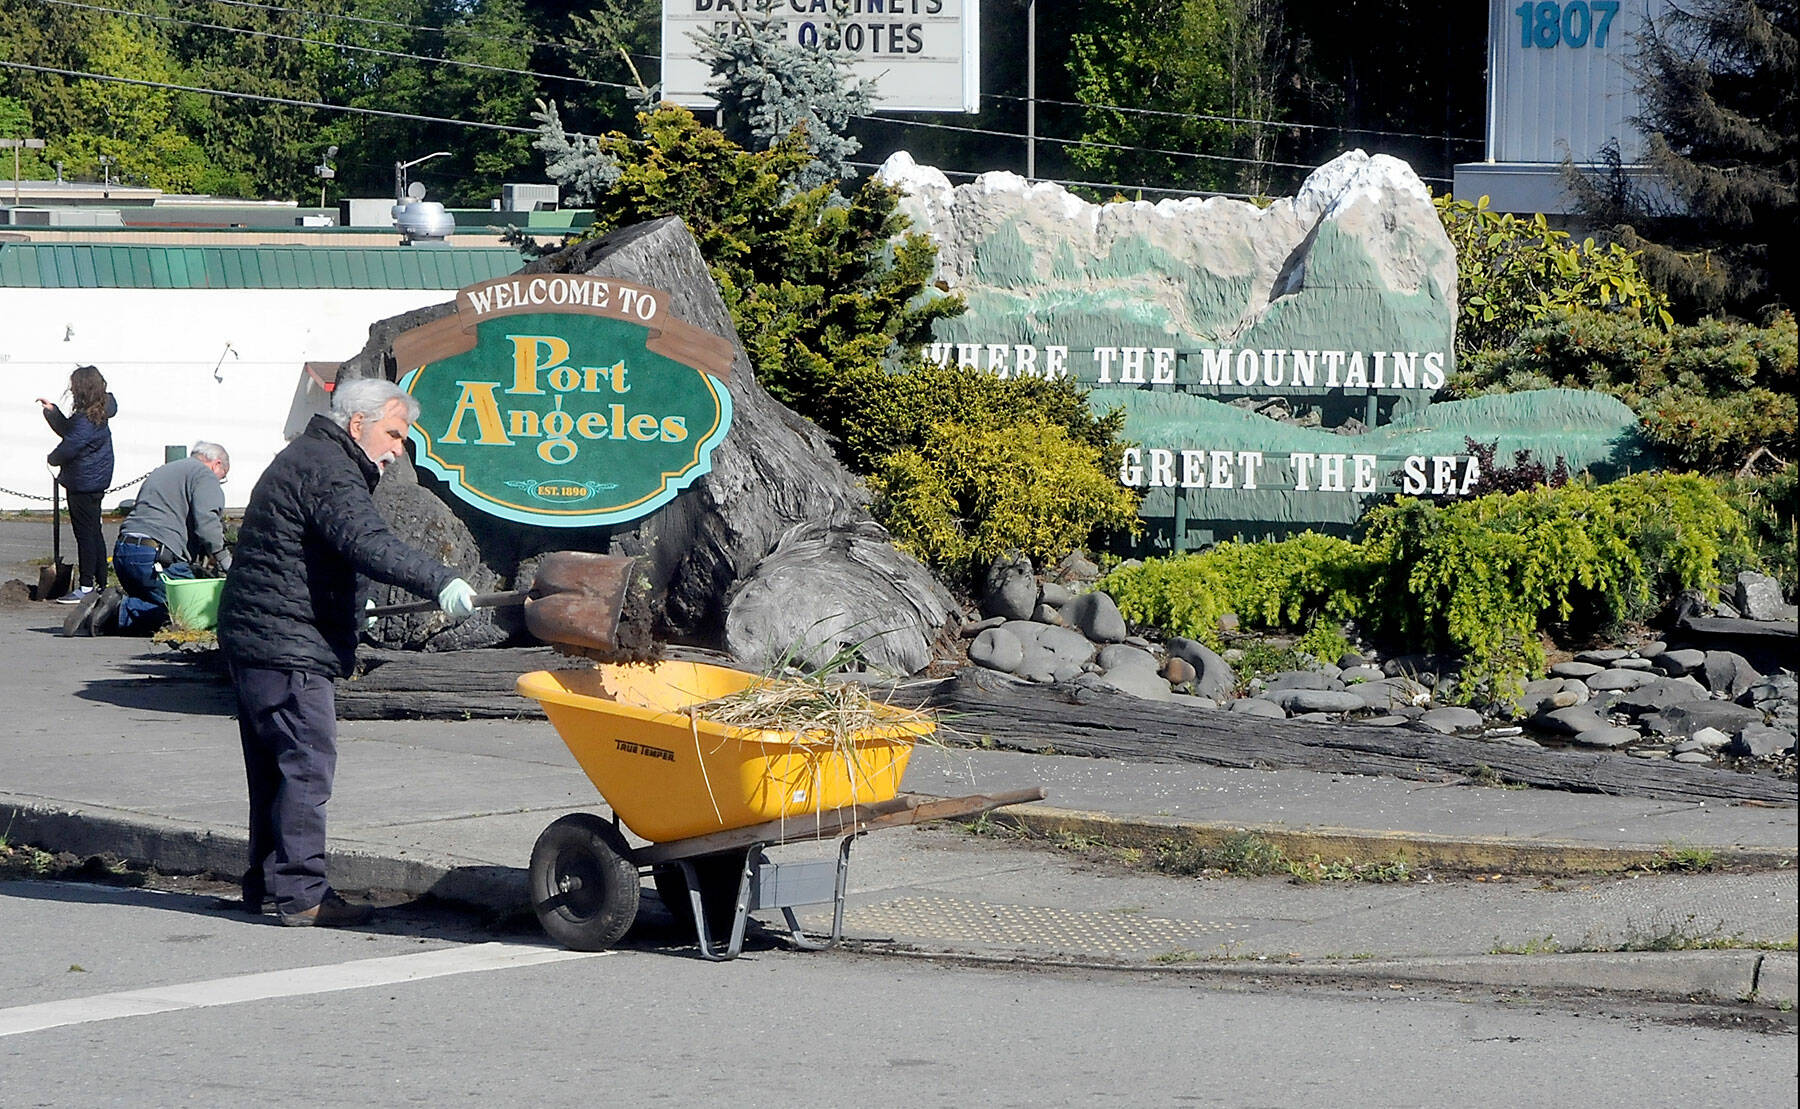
pixel 1070 720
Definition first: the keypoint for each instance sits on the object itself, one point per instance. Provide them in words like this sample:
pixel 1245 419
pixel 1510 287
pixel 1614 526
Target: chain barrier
pixel 47 500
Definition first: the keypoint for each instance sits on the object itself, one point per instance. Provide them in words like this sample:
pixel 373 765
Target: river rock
pixel 1656 695
pixel 1576 669
pixel 1685 660
pixel 1602 658
pixel 1652 649
pixel 1759 740
pixel 1119 656
pixel 1178 672
pixel 1314 700
pixel 1055 594
pixel 1009 588
pixel 1608 680
pixel 1452 719
pixel 1722 715
pixel 1728 672
pixel 1136 681
pixel 1065 643
pixel 1759 597
pixel 1303 679
pixel 1075 567
pixel 1048 614
pixel 1362 673
pixel 1097 617
pixel 1390 693
pixel 1607 735
pixel 1692 757
pixel 1710 738
pixel 1571 721
pixel 1256 706
pixel 1215 677
pixel 975 627
pixel 1630 663
pixel 997 649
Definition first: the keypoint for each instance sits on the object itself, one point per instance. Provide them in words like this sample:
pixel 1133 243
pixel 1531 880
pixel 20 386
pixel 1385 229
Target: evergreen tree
pixel 768 88
pixel 1718 81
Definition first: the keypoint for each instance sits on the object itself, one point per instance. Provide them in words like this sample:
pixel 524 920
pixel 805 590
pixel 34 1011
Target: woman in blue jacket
pixel 85 456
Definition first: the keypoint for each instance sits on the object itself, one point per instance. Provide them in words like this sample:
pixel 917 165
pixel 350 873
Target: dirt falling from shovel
pixel 635 640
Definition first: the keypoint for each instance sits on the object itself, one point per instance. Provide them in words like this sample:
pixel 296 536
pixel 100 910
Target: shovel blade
pixel 577 599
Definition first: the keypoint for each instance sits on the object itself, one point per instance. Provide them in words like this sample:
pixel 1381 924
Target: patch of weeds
pixel 1316 869
pixel 1687 936
pixel 1481 774
pixel 1247 855
pixel 1684 859
pixel 1179 955
pixel 1260 658
pixel 1545 946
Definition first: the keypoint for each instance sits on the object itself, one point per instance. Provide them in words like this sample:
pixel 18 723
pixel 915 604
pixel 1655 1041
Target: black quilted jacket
pixel 290 600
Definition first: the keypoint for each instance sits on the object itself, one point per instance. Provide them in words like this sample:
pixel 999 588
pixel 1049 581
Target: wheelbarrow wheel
pixel 584 886
pixel 719 876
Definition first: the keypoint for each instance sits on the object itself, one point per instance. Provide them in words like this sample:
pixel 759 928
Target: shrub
pixel 874 413
pixel 1266 585
pixel 1711 395
pixel 969 493
pixel 1768 503
pixel 1510 272
pixel 1485 578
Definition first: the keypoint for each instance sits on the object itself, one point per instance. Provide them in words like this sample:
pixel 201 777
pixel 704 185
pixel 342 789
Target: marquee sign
pixel 565 400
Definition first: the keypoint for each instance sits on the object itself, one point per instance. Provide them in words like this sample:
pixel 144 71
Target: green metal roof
pixel 100 266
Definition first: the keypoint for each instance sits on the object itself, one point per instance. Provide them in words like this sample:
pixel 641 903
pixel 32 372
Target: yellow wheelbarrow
pixel 710 798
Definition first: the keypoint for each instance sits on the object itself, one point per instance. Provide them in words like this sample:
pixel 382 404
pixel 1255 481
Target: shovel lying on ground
pixel 580 603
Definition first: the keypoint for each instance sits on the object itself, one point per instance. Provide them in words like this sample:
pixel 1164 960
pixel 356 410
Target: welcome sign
pixel 565 400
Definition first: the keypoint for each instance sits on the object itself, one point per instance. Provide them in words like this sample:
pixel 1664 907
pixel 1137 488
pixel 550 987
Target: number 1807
pixel 1577 23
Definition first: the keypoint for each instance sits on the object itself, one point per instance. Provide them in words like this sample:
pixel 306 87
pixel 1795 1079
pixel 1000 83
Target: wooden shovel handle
pixel 482 600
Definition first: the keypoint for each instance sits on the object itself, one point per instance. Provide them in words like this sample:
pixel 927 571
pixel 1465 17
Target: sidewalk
pixel 115 745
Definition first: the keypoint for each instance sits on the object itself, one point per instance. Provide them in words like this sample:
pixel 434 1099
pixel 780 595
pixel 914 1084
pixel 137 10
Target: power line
pixel 288 101
pixel 536 43
pixel 1246 120
pixel 334 45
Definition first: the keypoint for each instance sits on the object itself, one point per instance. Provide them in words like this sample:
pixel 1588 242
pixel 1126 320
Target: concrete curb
pixel 1422 851
pixel 1766 978
pixel 176 848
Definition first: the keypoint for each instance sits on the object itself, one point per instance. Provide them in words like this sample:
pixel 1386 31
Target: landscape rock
pixel 1571 721
pixel 1452 719
pixel 1314 700
pixel 1607 735
pixel 1728 672
pixel 1055 594
pixel 1138 682
pixel 1629 663
pixel 1711 738
pixel 1759 597
pixel 1360 673
pixel 1391 693
pixel 1679 662
pixel 1576 669
pixel 1658 694
pixel 1048 614
pixel 1692 756
pixel 1178 672
pixel 1119 656
pixel 1075 567
pixel 1723 715
pixel 1303 679
pixel 1065 643
pixel 1214 676
pixel 1609 680
pixel 1759 740
pixel 830 587
pixel 1602 658
pixel 997 649
pixel 1256 706
pixel 975 627
pixel 1009 588
pixel 1097 617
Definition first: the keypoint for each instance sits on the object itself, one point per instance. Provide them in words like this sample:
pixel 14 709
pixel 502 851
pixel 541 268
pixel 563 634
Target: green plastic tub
pixel 193 602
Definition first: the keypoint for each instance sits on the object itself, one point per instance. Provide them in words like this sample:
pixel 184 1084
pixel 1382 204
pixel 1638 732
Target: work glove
pixel 457 600
pixel 222 559
pixel 369 618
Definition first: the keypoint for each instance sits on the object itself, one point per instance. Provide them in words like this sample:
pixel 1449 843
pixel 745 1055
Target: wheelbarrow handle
pixel 482 600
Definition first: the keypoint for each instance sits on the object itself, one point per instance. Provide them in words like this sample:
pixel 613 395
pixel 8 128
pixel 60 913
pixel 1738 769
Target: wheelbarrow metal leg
pixel 799 937
pixel 740 916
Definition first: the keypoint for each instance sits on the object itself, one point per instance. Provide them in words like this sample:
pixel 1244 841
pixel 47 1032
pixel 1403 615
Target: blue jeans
pixel 145 607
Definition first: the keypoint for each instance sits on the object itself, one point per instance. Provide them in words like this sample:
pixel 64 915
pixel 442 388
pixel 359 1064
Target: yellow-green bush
pixel 1484 578
pixel 969 493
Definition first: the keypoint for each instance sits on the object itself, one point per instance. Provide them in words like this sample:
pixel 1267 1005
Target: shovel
pixel 576 603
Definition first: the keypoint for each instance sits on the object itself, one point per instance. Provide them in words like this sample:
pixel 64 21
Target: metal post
pixel 1031 90
pixel 17 145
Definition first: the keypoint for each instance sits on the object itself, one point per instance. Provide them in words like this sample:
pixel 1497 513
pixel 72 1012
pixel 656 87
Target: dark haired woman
pixel 85 456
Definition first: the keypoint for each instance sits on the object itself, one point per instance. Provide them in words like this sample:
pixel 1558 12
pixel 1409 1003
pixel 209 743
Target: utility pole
pixel 16 145
pixel 1031 90
pixel 325 171
pixel 400 169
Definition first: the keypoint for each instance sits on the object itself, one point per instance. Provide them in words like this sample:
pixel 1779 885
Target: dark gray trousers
pixel 287 722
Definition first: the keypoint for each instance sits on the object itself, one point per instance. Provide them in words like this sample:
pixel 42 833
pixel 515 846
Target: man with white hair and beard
pixel 288 622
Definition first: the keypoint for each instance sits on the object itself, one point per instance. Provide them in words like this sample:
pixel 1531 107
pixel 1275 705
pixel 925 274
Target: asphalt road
pixel 131 997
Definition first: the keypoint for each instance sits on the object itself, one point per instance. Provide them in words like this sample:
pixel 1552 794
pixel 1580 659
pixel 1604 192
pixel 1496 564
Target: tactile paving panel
pixel 981 922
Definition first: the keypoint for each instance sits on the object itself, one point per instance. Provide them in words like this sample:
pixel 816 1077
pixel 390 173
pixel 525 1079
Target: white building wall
pixel 224 365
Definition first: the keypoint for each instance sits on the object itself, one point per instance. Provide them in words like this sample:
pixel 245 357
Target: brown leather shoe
pixel 333 912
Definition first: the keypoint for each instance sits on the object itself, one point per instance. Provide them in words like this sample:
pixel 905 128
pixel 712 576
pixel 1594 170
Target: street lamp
pixel 106 163
pixel 325 171
pixel 16 144
pixel 400 169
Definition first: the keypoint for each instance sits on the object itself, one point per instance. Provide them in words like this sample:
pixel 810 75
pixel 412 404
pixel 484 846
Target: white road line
pixel 357 975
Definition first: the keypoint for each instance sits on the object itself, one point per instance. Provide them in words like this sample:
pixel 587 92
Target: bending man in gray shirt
pixel 178 519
